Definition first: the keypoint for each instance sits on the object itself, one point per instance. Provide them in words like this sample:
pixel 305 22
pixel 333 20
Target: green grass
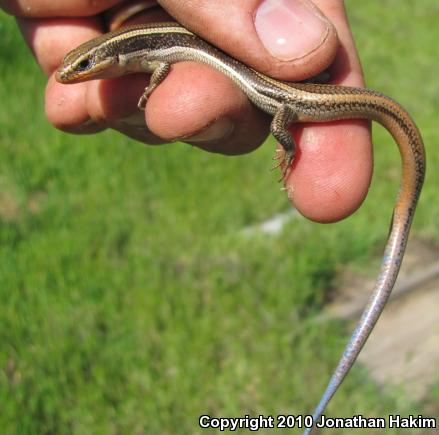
pixel 129 300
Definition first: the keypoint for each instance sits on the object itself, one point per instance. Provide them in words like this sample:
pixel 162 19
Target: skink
pixel 153 48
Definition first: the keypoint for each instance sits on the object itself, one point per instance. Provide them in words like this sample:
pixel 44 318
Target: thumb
pixel 288 39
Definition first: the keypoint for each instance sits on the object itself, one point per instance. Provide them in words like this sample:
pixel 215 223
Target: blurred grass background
pixel 131 303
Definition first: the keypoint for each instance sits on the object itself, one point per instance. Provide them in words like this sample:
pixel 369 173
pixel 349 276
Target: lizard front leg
pixel 157 77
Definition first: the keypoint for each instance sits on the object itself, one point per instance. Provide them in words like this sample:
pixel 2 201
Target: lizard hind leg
pixel 282 119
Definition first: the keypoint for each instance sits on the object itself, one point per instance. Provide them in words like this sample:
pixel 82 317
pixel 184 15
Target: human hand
pixel 333 168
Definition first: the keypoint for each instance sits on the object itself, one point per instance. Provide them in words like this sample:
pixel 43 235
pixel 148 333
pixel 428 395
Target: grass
pixel 129 300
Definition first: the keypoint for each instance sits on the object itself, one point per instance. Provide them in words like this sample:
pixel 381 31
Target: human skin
pixel 333 167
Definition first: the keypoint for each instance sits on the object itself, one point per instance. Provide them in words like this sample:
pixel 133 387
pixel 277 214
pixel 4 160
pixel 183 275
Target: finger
pixel 175 111
pixel 213 115
pixel 80 108
pixel 66 108
pixel 50 8
pixel 332 174
pixel 228 125
pixel 51 38
pixel 291 40
pixel 65 105
pixel 210 113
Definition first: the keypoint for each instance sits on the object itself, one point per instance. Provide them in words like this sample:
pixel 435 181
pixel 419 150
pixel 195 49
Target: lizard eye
pixel 84 64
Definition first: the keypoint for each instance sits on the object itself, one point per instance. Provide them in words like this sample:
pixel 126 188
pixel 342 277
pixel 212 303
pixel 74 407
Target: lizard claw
pixel 285 160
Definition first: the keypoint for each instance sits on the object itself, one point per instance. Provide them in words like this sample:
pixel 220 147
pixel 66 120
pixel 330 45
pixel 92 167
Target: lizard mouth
pixel 61 76
pixel 76 74
pixel 67 76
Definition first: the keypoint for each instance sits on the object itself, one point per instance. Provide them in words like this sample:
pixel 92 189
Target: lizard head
pixel 94 59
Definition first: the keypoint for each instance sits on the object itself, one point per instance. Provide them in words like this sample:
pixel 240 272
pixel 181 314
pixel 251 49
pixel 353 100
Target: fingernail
pixel 290 29
pixel 220 129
